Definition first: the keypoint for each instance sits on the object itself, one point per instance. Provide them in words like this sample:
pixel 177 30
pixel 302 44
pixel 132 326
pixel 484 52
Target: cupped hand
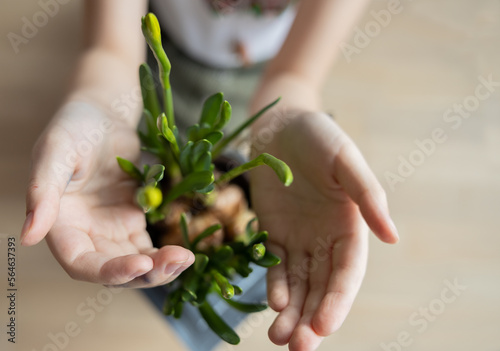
pixel 318 225
pixel 81 198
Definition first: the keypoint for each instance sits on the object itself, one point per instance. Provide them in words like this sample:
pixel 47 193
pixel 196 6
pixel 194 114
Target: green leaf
pixel 168 133
pixel 188 296
pixel 200 147
pixel 190 282
pixel 279 167
pixel 154 174
pixel 202 293
pixel 192 132
pixel 154 216
pixel 205 234
pixel 246 307
pixel 225 116
pixel 200 261
pixel 258 251
pixel 217 324
pixel 192 182
pixel 185 158
pixel 269 260
pixel 184 231
pixel 129 168
pixel 220 147
pixel 249 231
pixel 207 189
pixel 148 89
pixel 170 302
pixel 203 163
pixel 227 290
pixel 211 109
pixel 178 309
pixel 259 237
pixel 223 253
pixel 214 137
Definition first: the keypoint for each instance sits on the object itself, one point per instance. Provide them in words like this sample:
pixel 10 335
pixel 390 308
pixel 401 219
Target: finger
pixel 282 328
pixel 319 265
pixel 354 175
pixel 76 252
pixel 168 263
pixel 277 284
pixel 50 175
pixel 349 255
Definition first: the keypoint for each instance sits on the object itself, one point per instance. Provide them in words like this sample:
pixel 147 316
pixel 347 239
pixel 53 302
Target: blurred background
pixel 391 90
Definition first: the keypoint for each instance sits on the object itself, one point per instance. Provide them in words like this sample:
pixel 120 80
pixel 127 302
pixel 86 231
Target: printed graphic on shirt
pixel 259 7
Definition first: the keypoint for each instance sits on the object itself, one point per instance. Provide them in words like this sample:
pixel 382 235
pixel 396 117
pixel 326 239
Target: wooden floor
pixel 394 92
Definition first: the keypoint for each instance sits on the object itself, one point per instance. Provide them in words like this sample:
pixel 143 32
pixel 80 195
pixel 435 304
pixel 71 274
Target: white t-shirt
pixel 211 35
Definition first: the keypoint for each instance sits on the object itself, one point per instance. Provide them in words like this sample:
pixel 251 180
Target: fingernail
pixel 27 226
pixel 176 268
pixel 136 274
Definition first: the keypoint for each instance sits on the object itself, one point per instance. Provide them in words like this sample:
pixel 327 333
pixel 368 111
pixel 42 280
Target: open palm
pixel 97 233
pixel 317 226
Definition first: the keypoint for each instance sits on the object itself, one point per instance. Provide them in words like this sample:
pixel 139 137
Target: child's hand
pixel 81 198
pixel 317 225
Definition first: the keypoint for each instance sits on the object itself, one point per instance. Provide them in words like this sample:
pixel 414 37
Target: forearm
pixel 107 72
pixel 111 84
pixel 303 63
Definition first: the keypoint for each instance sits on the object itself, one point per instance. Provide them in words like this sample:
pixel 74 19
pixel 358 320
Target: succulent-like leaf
pixel 148 89
pixel 214 137
pixel 200 261
pixel 179 306
pixel 279 167
pixel 258 251
pixel 237 290
pixel 225 116
pixel 211 109
pixel 203 163
pixel 246 307
pixel 192 132
pixel 269 260
pixel 192 182
pixel 154 216
pixel 249 230
pixel 185 231
pixel 190 282
pixel 259 237
pixel 199 148
pixel 227 290
pixel 154 174
pixel 185 158
pixel 205 234
pixel 223 253
pixel 129 168
pixel 217 324
pixel 168 133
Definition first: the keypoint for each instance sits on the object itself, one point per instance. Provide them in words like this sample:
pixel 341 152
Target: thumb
pixel 357 179
pixel 51 172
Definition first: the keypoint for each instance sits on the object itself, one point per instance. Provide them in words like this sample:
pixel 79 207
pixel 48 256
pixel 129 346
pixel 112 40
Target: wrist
pixel 297 94
pixel 110 83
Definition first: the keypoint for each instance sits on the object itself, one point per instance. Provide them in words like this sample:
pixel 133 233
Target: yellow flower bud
pixel 151 29
pixel 154 196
